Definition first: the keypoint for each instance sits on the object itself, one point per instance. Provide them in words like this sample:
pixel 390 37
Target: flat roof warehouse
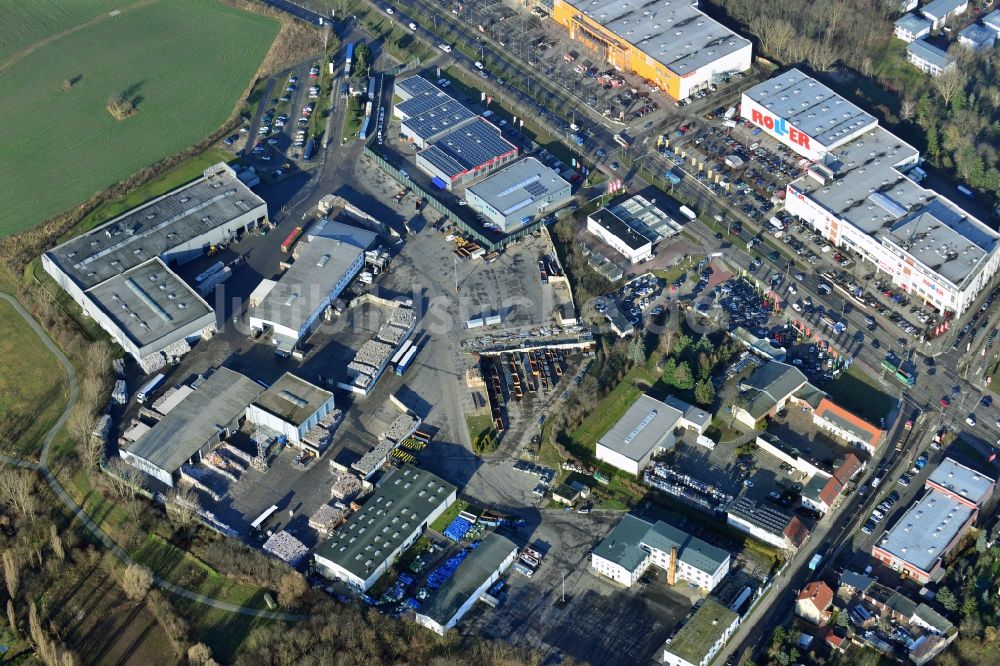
pixel 675 33
pixel 119 272
pixel 154 229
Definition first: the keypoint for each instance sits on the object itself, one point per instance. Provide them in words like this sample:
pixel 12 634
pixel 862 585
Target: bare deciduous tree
pixel 199 654
pixel 11 616
pixel 123 479
pixel 136 581
pixel 56 541
pixel 950 83
pixel 291 587
pixel 11 573
pixel 182 507
pixel 907 108
pixel 17 491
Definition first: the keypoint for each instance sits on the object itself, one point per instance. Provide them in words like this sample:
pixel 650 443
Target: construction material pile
pixel 374 353
pixel 372 460
pixel 357 368
pixel 286 548
pixel 205 480
pixel 158 360
pixel 345 487
pixel 102 429
pixel 401 427
pixel 120 392
pixel 326 519
pixel 321 434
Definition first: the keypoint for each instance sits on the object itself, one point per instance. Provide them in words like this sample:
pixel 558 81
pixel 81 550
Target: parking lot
pixel 278 133
pixel 633 623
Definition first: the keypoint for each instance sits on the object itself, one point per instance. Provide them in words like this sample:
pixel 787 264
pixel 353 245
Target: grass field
pixel 25 22
pixel 183 63
pixel 32 386
pixel 857 392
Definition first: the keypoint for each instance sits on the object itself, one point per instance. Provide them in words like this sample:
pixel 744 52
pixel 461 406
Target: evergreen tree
pixel 704 393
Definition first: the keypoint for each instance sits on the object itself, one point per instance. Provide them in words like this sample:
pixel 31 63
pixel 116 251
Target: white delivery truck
pixel 688 213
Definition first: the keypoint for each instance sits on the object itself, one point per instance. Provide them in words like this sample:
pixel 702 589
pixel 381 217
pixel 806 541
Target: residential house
pixel 977 37
pixel 912 26
pixel 849 427
pixel 930 620
pixel 814 602
pixel 939 11
pixel 928 58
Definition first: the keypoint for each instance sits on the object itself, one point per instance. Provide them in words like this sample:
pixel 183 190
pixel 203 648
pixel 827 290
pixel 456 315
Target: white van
pixel 445 47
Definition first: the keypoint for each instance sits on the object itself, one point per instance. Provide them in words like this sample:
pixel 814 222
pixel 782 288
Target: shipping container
pixel 289 241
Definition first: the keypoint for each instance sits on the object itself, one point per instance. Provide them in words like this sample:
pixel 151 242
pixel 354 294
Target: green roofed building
pixel 405 502
pixel 698 641
pixel 634 545
pixel 484 565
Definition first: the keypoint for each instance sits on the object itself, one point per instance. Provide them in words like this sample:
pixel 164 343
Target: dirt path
pixel 28 50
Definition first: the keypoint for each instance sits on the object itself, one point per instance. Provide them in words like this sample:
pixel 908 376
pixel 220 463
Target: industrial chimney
pixel 672 567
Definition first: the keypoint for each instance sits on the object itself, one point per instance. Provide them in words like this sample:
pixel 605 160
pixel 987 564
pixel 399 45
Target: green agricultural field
pixel 182 63
pixel 25 23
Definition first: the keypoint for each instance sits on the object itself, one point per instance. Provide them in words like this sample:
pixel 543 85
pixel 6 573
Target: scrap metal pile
pixel 286 547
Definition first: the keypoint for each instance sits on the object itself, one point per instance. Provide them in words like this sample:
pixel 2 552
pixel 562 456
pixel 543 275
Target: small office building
pixel 635 544
pixel 646 428
pixel 513 196
pixel 632 227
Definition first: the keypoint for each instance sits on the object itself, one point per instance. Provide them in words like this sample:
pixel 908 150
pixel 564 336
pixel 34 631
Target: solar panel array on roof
pixel 475 144
pixel 415 85
pixel 421 104
pixel 437 120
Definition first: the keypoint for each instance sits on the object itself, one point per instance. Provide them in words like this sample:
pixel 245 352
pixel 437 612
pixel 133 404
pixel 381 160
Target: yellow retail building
pixel 670 42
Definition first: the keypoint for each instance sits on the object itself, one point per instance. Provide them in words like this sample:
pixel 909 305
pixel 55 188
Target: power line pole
pixel 563 586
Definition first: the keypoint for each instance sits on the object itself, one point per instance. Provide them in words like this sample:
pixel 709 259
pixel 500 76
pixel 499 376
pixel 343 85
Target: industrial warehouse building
pixel 323 267
pixel 514 195
pixel 702 636
pixel 962 483
pixel 482 567
pixel 207 416
pixel 632 227
pixel 119 273
pixel 927 532
pixel 291 406
pixel 634 545
pixel 669 42
pixel 457 145
pixel 646 428
pixel 860 194
pixel 466 152
pixel 405 503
